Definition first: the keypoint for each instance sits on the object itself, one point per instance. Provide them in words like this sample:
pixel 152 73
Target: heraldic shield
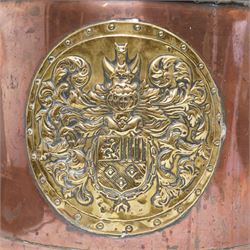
pixel 124 167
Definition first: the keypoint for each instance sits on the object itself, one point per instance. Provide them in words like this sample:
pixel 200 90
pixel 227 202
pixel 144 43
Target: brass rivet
pixel 111 26
pixel 180 209
pixel 184 47
pixel 129 228
pixel 29 131
pixel 210 168
pixel 157 222
pixel 161 33
pixel 217 143
pixel 31 106
pixel 197 192
pixel 99 225
pixel 57 202
pixel 89 30
pixel 201 66
pixel 137 27
pixel 77 217
pixel 67 42
pixel 213 90
pixel 42 180
pixel 37 81
pixel 51 59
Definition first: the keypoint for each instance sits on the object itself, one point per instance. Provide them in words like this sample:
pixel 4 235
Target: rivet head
pixel 57 202
pixel 180 209
pixel 184 47
pixel 31 106
pixel 213 91
pixel 77 217
pixel 210 168
pixel 37 81
pixel 201 66
pixel 128 228
pixel 51 59
pixel 29 131
pixel 111 26
pixel 137 27
pixel 161 34
pixel 197 192
pixel 157 222
pixel 67 42
pixel 99 225
pixel 42 180
pixel 217 143
pixel 89 30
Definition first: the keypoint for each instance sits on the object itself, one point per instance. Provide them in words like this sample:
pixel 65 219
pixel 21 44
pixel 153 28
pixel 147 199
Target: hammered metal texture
pixel 124 128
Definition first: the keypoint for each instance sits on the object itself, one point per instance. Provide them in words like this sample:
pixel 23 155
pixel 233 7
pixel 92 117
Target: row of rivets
pixel 137 27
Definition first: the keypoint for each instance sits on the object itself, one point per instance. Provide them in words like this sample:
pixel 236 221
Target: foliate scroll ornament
pixel 122 131
pixel 169 111
pixel 62 130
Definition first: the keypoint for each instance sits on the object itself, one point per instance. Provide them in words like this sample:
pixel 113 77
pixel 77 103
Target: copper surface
pixel 220 34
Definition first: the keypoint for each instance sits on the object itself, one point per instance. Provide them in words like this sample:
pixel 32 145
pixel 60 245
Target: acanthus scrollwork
pixel 163 118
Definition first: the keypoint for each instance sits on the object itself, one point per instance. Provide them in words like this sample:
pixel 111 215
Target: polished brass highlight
pixel 124 128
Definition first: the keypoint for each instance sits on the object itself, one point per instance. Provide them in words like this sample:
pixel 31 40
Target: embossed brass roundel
pixel 124 128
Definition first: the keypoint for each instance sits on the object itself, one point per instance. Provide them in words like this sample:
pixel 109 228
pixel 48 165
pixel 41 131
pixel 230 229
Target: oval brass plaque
pixel 124 128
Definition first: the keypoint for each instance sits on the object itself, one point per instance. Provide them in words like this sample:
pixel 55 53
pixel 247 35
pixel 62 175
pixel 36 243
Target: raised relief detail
pixel 133 138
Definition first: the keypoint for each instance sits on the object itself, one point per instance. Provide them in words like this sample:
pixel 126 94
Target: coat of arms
pixel 126 121
pixel 124 128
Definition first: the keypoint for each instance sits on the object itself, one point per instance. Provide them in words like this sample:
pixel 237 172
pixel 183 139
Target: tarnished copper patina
pixel 124 128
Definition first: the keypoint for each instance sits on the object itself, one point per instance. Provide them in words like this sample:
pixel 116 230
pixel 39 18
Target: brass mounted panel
pixel 124 128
